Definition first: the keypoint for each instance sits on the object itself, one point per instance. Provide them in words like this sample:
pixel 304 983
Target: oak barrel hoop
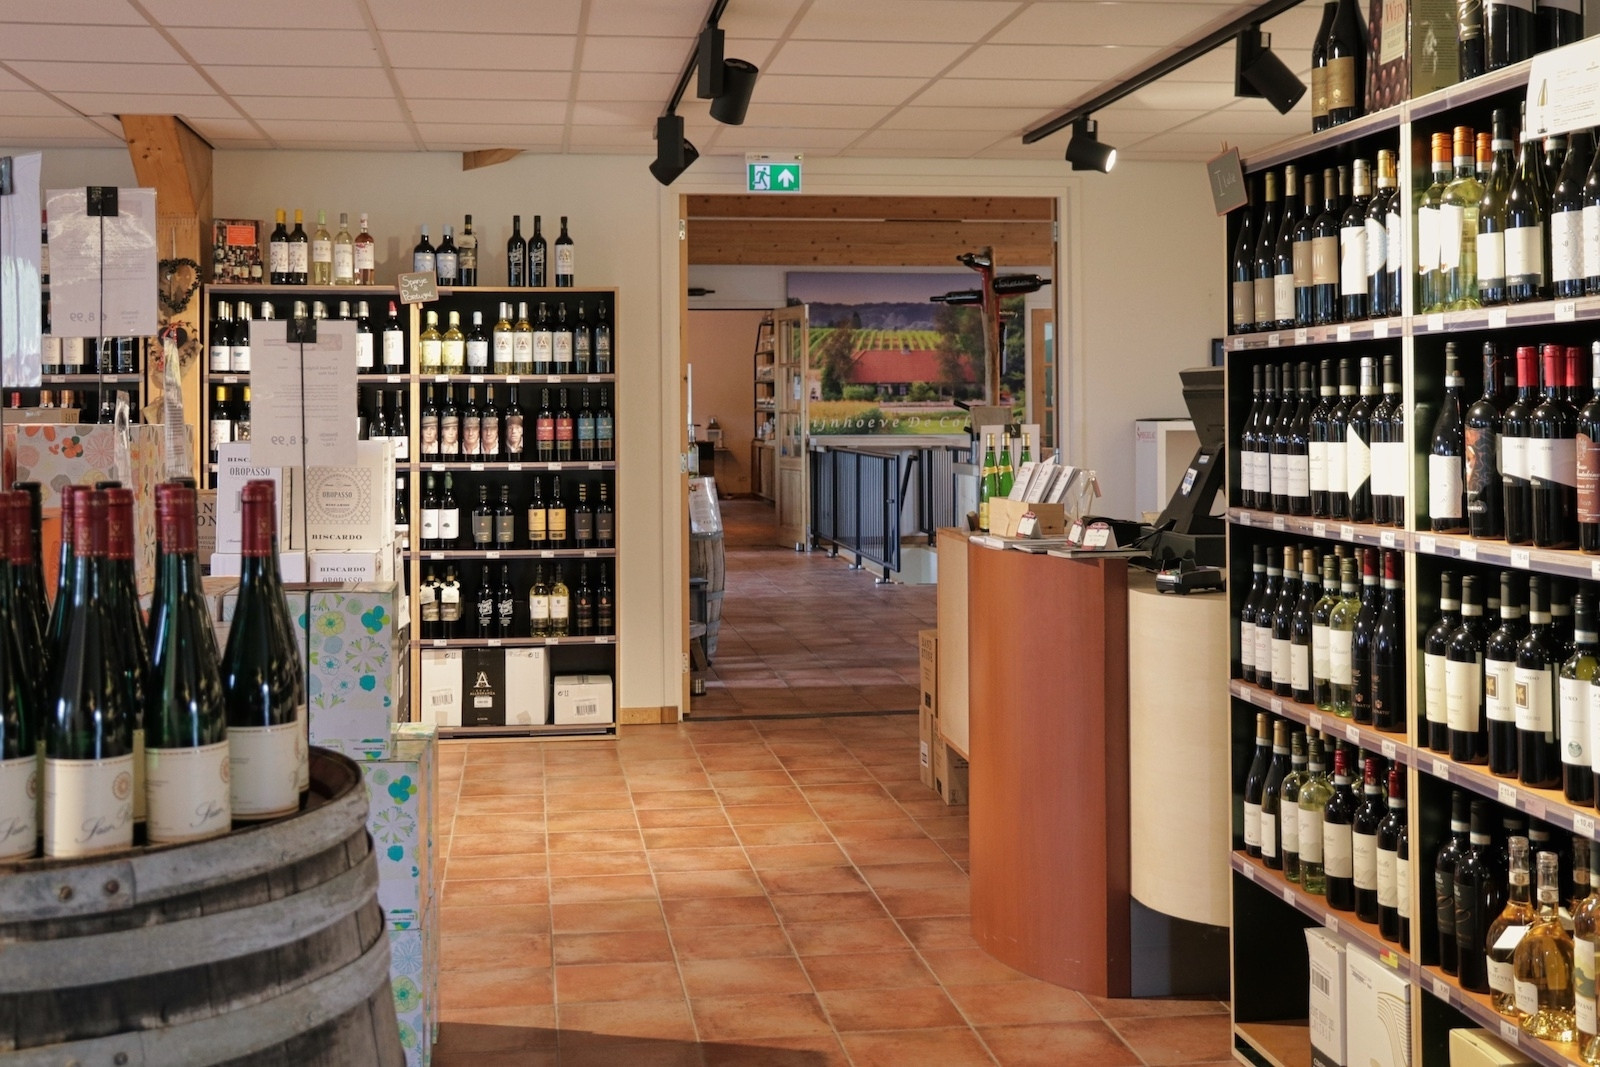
pixel 262 947
pixel 707 560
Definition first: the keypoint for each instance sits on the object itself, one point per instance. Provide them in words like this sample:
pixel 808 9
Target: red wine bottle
pixel 1325 253
pixel 1300 446
pixel 28 616
pixel 516 255
pixel 1264 267
pixel 1433 728
pixel 1364 836
pixel 1463 679
pixel 1508 32
pixel 1346 50
pixel 1480 892
pixel 19 712
pixel 1319 69
pixel 1536 684
pixel 1499 679
pixel 1588 461
pixel 1254 784
pixel 1552 455
pixel 1361 640
pixel 1388 644
pixel 1283 625
pixel 89 757
pixel 1515 429
pixel 1338 861
pixel 1447 458
pixel 263 730
pixel 1449 856
pixel 61 609
pixel 186 716
pixel 1394 869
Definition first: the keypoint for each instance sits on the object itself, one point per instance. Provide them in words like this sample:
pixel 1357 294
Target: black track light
pixel 708 61
pixel 738 82
pixel 674 154
pixel 1258 72
pixel 1084 150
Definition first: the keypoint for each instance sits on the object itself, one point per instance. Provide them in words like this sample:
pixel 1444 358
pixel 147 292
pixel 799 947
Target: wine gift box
pixel 583 700
pixel 352 508
pixel 440 699
pixel 527 687
pixel 356 673
pixel 402 798
pixel 234 469
pixel 1377 1013
pixel 1325 954
pixel 414 978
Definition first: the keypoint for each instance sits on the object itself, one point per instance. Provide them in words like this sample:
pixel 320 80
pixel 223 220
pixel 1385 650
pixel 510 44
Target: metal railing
pixel 863 500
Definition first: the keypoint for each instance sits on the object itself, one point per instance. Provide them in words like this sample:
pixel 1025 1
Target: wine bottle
pixel 60 622
pixel 121 603
pixel 1243 287
pixel 1447 498
pixel 471 427
pixel 544 341
pixel 1282 251
pixel 544 431
pixel 566 434
pixel 1395 243
pixel 1491 244
pixel 1341 639
pixel 1499 674
pixel 1321 666
pixel 1378 268
pixel 450 605
pixel 1527 204
pixel 604 344
pixel 428 445
pixel 605 429
pixel 1430 286
pixel 522 341
pixel 566 258
pixel 453 346
pixel 1591 229
pixel 477 346
pixel 482 521
pixel 1361 675
pixel 1300 249
pixel 1458 226
pixel 344 253
pixel 394 342
pixel 1585 934
pixel 560 604
pixel 1390 461
pixel 484 608
pixel 1263 260
pixel 1325 262
pixel 561 338
pixel 1247 613
pixel 1576 675
pixel 428 611
pixel 605 522
pixel 1560 22
pixel 430 516
pixel 1536 685
pixel 1300 627
pixel 221 339
pixel 447 259
pixel 424 259
pixel 186 743
pixel 1567 275
pixel 322 252
pixel 19 700
pixel 299 251
pixel 1469 35
pixel 502 338
pixel 1479 896
pixel 1338 815
pixel 364 252
pixel 1508 929
pixel 1355 296
pixel 1508 32
pixel 511 432
pixel 585 426
pixel 516 256
pixel 1483 487
pixel 1249 438
pixel 430 345
pixel 1515 431
pixel 1272 797
pixel 556 515
pixel 1434 729
pixel 583 604
pixel 1364 840
pixel 582 344
pixel 1468 730
pixel 1552 455
pixel 505 604
pixel 539 605
pixel 449 514
pixel 505 521
pixel 1317 437
pixel 1358 450
pixel 538 256
pixel 1543 962
pixel 1319 69
pixel 1347 64
pixel 366 339
pixel 583 519
pixel 278 252
pixel 1288 806
pixel 1588 461
pixel 539 531
pixel 1388 671
pixel 449 428
pixel 1282 624
pixel 1455 847
pixel 1277 440
pixel 1263 620
pixel 1394 867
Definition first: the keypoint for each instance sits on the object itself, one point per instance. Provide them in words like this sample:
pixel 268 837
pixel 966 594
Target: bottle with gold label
pixel 988 483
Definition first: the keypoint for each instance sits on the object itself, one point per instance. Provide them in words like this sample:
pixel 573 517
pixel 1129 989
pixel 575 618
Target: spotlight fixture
pixel 738 82
pixel 1084 150
pixel 674 153
pixel 1258 72
pixel 708 61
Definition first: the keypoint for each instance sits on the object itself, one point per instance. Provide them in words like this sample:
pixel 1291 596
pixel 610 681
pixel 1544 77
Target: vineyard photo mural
pixel 886 360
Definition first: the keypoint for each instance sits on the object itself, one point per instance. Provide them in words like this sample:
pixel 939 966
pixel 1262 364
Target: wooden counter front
pixel 1048 659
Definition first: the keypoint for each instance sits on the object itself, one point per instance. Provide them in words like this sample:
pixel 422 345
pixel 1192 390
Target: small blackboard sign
pixel 419 288
pixel 1226 175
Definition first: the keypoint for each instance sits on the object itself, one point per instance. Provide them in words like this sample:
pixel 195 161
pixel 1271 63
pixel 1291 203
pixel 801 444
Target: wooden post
pixel 175 161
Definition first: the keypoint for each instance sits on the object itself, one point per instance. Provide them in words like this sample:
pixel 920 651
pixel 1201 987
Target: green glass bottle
pixel 1007 475
pixel 988 483
pixel 1315 792
pixel 1341 642
pixel 19 763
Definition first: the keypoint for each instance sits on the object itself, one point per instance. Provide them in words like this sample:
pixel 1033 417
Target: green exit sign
pixel 772 173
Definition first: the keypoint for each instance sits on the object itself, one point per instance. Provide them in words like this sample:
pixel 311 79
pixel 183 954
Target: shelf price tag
pixel 1388 749
pixel 1509 1031
pixel 1566 311
pixel 1521 558
pixel 1347 532
pixel 1497 318
pixel 395 379
pixel 597 466
pixel 1428 543
pixel 436 555
pixel 1506 794
pixel 439 642
pixel 476 379
pixel 1436 322
pixel 1332 924
pixel 1467 549
pixel 1278 524
pixel 1594 569
pixel 1386 539
pixel 1380 329
pixel 546 554
pixel 513 467
pixel 1316 722
pixel 513 379
pixel 1343 333
pixel 1244 518
pixel 590 553
pixel 1277 706
pixel 1248 871
pixel 1441 989
pixel 1301 335
pixel 1288 895
pixel 1441 770
pixel 1352 734
pixel 1583 824
pixel 1273 339
pixel 491 555
pixel 476 468
pixel 494 642
pixel 1320 529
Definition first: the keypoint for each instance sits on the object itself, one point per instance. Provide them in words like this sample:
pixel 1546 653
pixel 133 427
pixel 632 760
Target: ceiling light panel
pixel 956 21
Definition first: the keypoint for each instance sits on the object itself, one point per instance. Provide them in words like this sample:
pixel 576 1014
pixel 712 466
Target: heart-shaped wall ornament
pixel 180 280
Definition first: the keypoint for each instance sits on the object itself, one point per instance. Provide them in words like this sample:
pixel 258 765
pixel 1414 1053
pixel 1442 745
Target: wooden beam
pixel 487 157
pixel 867 244
pixel 950 208
pixel 172 159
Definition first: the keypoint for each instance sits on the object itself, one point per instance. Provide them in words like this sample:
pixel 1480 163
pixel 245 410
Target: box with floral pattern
pixel 356 665
pixel 401 801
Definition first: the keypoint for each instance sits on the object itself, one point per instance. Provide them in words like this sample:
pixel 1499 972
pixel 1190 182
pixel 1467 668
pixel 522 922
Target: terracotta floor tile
pixel 968 966
pixel 631 946
pixel 816 1050
pixel 499 824
pixel 699 859
pixel 945 931
pixel 840 938
pixel 634 1054
pixel 725 780
pixel 923 903
pixel 828 907
pixel 1177 1039
pixel 765 814
pixel 581 864
pixel 492 950
pixel 516 866
pixel 690 837
pixel 677 798
pixel 471 892
pixel 868 970
pixel 944 826
pixel 612 887
pixel 1054 1044
pixel 663 783
pixel 859 831
pixel 802 833
pixel 510 919
pixel 937 874
pixel 481 752
pixel 896 851
pixel 584 800
pixel 1132 1007
pixel 582 983
pixel 1016 1003
pixel 725 911
pixel 760 794
pixel 495 988
pixel 792 857
pixel 603 1022
pixel 729 977
pixel 812 880
pixel 900 1048
pixel 676 817
pixel 918 1008
pixel 478 804
pixel 676 885
pixel 608 917
pixel 827 775
pixel 464 844
pixel 729 942
pixel 514 1029
pixel 758 1015
pixel 475 771
pixel 529 794
pixel 596 841
pixel 568 821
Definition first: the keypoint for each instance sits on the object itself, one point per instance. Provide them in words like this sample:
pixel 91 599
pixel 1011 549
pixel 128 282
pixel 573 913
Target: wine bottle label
pixel 560 608
pixel 471 436
pixel 1342 89
pixel 1526 996
pixel 1499 702
pixel 503 346
pixel 1299 667
pixel 1302 264
pixel 221 357
pixel 450 435
pixel 563 352
pixel 394 348
pixel 565 258
pixel 239 362
pixel 1357 463
pixel 448 265
pixel 605 527
pixel 1247 643
pixel 88 806
pixel 1444 904
pixel 298 257
pixel 1320 656
pixel 264 770
pixel 1247 470
pixel 449 524
pixel 1353 260
pixel 1340 667
pixel 1264 651
pixel 482 529
pixel 366 253
pixel 1377 248
pixel 423 262
pixel 1338 859
pixel 1263 300
pixel 188 793
pixel 1531 699
pixel 537 529
pixel 1283 297
pixel 1566 246
pixel 505 529
pixel 1445 487
pixel 1252 825
pixel 402 445
pixel 278 257
pixel 1244 303
pixel 1319 93
pixel 1427 239
pixel 322 251
pixel 1583 981
pixel 1338 467
pixel 557 523
pixel 522 349
pixel 1514 458
pixel 1451 218
pixel 1394 259
pixel 1525 255
pixel 1317 466
pixel 543 346
pixel 19 807
pixel 1299 477
pixel 1553 462
pixel 1289 826
pixel 1280 475
pixel 1387 882
pixel 583 526
pixel 344 262
pixel 1433 688
pixel 221 431
pixel 514 432
pixel 478 354
pixel 1269 833
pixel 364 351
pixel 1575 721
pixel 539 607
pixel 1364 860
pixel 1402 886
pixel 488 434
pixel 453 353
pixel 1593 741
pixel 1587 460
pixel 432 351
pixel 1591 241
pixel 1325 260
pixel 1491 260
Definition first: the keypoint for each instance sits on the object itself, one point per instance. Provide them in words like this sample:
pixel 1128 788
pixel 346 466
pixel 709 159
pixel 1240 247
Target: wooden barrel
pixel 706 560
pixel 266 946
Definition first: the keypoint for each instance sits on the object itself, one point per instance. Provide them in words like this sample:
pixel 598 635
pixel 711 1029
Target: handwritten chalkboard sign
pixel 1226 176
pixel 419 288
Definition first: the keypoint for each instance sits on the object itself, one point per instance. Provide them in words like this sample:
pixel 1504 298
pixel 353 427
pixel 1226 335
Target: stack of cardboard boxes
pixel 1360 1007
pixel 943 769
pixel 509 687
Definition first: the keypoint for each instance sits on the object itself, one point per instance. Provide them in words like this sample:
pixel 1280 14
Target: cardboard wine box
pixel 483 687
pixel 1325 953
pixel 352 508
pixel 527 687
pixel 1377 1013
pixel 440 699
pixel 583 700
pixel 234 469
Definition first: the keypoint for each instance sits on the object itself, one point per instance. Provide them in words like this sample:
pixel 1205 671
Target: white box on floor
pixel 583 700
pixel 1377 1013
pixel 1478 1048
pixel 527 687
pixel 1326 953
pixel 441 686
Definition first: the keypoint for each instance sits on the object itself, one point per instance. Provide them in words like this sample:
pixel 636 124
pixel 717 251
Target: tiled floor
pixel 781 893
pixel 804 634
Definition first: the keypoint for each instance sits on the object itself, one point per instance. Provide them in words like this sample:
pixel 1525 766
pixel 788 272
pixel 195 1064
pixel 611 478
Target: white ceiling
pixel 938 78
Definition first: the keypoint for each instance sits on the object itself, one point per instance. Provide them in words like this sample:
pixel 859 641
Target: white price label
pixel 1509 1031
pixel 1497 318
pixel 441 378
pixel 513 379
pixel 1320 529
pixel 1467 550
pixel 1277 706
pixel 476 379
pixel 1594 569
pixel 1380 329
pixel 1506 794
pixel 597 466
pixel 1388 749
pixel 1441 770
pixel 395 379
pixel 491 555
pixel 1347 532
pixel 439 642
pixel 1343 333
pixel 1352 734
pixel 1520 558
pixel 1436 322
pixel 1441 989
pixel 1288 895
pixel 438 467
pixel 1316 723
pixel 494 642
pixel 1273 339
pixel 1333 924
pixel 1566 311
pixel 1248 871
pixel 475 467
pixel 591 554
pixel 1583 825
pixel 1278 524
pixel 513 467
pixel 1300 336
pixel 1244 518
pixel 436 555
pixel 546 554
pixel 1386 539
pixel 1427 543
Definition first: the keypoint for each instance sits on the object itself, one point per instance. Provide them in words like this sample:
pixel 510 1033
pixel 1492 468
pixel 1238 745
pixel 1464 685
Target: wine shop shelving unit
pixel 596 654
pixel 1269 963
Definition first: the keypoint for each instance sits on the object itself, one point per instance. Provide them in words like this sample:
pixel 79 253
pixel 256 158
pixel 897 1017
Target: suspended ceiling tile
pixel 934 142
pixel 112 77
pixel 1184 96
pixel 1045 62
pixel 85 44
pixel 602 86
pixel 812 89
pixel 832 116
pixel 901 20
pixel 999 92
pixel 1110 23
pixel 857 59
pixel 1215 66
pixel 995 119
pixel 653 18
pixel 763 138
pixel 532 112
pixel 76 13
pixel 13 127
pixel 487 51
pixel 509 135
pixel 478 16
pixel 336 132
pixel 638 113
pixel 29 104
pixel 758 19
pixel 329 14
pixel 612 137
pixel 659 55
pixel 10 83
pixel 308 145
pixel 217 130
pixel 189 105
pixel 443 83
pixel 96 139
pixel 346 109
pixel 1122 120
pixel 279 47
pixel 1203 145
pixel 302 81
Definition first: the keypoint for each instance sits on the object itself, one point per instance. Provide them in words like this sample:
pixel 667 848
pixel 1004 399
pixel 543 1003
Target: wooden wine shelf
pixel 1393 746
pixel 450 555
pixel 511 642
pixel 514 468
pixel 436 378
pixel 1476 1006
pixel 1363 934
pixel 1535 313
pixel 1281 1044
pixel 544 732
